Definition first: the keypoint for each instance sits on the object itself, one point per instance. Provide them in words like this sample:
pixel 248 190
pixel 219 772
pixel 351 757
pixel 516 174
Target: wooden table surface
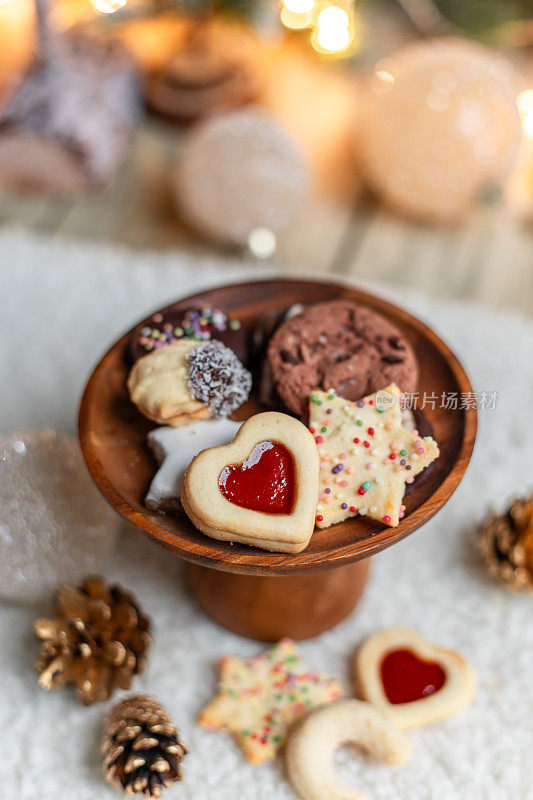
pixel 488 258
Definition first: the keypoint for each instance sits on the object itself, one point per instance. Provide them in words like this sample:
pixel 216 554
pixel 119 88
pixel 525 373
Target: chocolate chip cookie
pixel 339 345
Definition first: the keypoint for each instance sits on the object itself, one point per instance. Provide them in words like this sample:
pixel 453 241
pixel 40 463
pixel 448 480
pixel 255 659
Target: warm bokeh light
pixel 384 81
pixel 528 125
pixel 297 14
pixel 525 104
pixel 108 6
pixel 262 242
pixel 295 21
pixel 333 31
pixel 299 6
pixel 525 101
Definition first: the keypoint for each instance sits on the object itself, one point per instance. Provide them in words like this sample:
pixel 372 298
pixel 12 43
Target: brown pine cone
pixel 97 640
pixel 141 748
pixel 506 544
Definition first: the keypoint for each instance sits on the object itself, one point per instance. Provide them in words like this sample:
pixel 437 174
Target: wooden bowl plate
pixel 113 439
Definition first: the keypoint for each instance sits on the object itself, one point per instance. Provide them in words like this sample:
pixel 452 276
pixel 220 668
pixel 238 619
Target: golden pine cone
pixel 506 544
pixel 141 748
pixel 97 640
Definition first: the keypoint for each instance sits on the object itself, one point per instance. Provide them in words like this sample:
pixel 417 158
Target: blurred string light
pixel 297 14
pixel 332 22
pixel 332 33
pixel 525 105
pixel 108 6
pixel 262 242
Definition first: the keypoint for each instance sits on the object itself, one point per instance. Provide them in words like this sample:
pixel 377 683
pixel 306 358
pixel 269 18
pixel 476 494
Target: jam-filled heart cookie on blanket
pixel 260 489
pixel 412 680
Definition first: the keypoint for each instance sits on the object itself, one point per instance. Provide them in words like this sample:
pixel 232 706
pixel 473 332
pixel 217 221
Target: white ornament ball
pixel 54 525
pixel 240 172
pixel 441 126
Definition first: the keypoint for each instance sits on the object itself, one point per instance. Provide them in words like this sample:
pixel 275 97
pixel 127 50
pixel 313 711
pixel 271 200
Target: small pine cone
pixel 506 544
pixel 97 640
pixel 141 748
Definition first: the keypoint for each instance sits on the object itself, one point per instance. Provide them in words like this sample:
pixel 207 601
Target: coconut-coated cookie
pixel 189 380
pixel 158 384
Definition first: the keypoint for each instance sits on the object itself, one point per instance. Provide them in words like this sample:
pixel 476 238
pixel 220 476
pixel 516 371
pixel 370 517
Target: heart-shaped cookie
pixel 412 680
pixel 260 489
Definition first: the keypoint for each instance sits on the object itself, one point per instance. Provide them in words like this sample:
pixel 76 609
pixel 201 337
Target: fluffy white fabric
pixel 62 303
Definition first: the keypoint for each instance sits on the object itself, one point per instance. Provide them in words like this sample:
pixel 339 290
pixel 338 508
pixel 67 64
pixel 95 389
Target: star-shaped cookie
pixel 366 456
pixel 260 698
pixel 174 449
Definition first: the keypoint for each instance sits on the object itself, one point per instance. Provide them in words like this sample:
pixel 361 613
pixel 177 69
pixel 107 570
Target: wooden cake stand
pixel 250 591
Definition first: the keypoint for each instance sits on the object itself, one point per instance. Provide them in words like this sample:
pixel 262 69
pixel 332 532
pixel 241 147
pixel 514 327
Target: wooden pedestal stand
pixel 250 591
pixel 268 608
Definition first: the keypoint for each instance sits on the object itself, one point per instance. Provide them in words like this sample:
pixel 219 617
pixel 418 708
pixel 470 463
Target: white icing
pixel 174 449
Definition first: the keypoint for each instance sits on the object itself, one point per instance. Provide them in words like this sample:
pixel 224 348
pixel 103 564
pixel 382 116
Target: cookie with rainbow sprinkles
pixel 366 456
pixel 260 698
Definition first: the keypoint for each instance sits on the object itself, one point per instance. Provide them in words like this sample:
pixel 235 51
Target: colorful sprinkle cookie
pixel 366 456
pixel 197 324
pixel 260 698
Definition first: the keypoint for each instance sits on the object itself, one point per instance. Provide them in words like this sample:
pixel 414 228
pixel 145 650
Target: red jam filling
pixel 264 482
pixel 406 677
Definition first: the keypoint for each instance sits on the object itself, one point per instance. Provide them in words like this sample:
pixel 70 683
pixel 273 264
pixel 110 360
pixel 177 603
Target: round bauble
pixel 54 525
pixel 441 126
pixel 240 172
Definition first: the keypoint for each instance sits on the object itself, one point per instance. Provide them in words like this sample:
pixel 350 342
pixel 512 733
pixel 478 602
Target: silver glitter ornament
pixel 240 172
pixel 441 125
pixel 54 525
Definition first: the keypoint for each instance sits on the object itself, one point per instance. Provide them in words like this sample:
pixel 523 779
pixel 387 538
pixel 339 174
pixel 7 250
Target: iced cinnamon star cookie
pixel 174 449
pixel 366 456
pixel 260 698
pixel 412 680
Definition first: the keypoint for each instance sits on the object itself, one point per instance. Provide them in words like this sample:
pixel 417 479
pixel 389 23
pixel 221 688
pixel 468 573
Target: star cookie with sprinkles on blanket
pixel 261 697
pixel 366 456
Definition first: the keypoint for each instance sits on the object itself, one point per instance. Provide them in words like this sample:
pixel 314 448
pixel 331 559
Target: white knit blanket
pixel 62 303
